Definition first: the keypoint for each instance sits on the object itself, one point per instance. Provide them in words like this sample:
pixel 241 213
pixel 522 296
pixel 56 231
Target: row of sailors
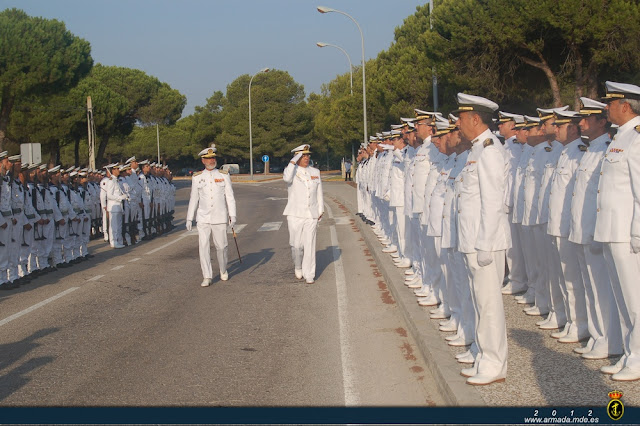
pixel 48 215
pixel 138 201
pixel 557 203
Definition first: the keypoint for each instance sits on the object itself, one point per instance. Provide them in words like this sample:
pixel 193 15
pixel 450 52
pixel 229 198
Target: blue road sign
pixel 265 158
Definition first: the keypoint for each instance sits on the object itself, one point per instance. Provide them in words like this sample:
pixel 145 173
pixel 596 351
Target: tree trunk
pixel 103 146
pixel 551 77
pixel 580 81
pixel 54 153
pixel 6 105
pixel 76 152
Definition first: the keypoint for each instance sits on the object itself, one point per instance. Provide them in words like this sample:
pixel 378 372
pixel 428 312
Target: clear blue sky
pixel 200 46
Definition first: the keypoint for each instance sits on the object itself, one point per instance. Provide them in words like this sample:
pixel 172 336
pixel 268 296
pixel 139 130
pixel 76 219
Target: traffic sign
pixel 265 158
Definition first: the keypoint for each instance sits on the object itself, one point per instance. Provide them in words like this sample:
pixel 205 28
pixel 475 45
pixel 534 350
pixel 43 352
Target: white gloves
pixel 595 247
pixel 635 245
pixel 296 157
pixel 484 258
pixel 189 225
pixel 232 221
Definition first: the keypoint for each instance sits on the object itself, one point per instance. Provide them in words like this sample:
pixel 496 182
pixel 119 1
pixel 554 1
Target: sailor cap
pixel 110 166
pixel 209 152
pixel 590 107
pixel 4 154
pixel 564 117
pixel 15 158
pixel 620 91
pixel 130 160
pixel 54 169
pixel 468 103
pixel 547 113
pixel 302 149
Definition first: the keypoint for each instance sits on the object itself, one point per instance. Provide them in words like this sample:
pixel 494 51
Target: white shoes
pixel 224 276
pixel 118 246
pixel 390 249
pixel 310 281
pixel 299 274
pixel 205 282
pixel 404 263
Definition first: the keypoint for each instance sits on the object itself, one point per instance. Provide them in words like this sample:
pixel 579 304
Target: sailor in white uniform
pixel 305 207
pixel 213 206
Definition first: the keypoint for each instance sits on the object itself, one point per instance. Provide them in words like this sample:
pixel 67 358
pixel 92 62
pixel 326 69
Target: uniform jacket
pixel 304 188
pixel 436 203
pixel 618 211
pixel 396 189
pixel 212 198
pixel 585 192
pixel 551 160
pixel 115 196
pixel 482 221
pixel 518 183
pixel 562 189
pixel 450 207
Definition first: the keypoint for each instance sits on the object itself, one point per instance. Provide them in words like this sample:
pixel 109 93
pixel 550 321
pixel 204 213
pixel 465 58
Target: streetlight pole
pixel 433 69
pixel 250 134
pixel 321 44
pixel 323 9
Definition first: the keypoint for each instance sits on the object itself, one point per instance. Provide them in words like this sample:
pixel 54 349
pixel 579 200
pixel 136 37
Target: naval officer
pixel 484 235
pixel 212 197
pixel 305 207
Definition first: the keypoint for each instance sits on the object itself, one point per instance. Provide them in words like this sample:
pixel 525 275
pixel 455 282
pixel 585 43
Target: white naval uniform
pixel 211 204
pixel 305 206
pixel 115 197
pixel 103 206
pixel 617 223
pixel 396 199
pixel 515 256
pixel 6 220
pixel 483 226
pixel 595 308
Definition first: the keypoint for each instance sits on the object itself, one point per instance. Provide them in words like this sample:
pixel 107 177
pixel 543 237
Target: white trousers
pixel 115 228
pixel 558 264
pixel 491 329
pixel 462 286
pixel 515 256
pixel 528 245
pixel 545 262
pixel 603 312
pixel 302 239
pixel 624 270
pixel 207 231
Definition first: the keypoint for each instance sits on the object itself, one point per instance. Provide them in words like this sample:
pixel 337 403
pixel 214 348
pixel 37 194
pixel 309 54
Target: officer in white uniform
pixel 213 207
pixel 483 235
pixel 618 221
pixel 305 207
pixel 115 198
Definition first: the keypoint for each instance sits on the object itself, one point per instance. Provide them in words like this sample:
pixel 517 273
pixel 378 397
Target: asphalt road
pixel 133 327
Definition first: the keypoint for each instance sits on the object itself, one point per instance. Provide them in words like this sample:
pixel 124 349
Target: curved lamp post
pixel 250 134
pixel 323 9
pixel 321 44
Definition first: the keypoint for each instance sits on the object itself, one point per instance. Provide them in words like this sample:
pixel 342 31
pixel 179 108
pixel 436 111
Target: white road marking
pixel 348 378
pixel 115 268
pixel 186 234
pixel 270 226
pixel 96 278
pixel 237 228
pixel 342 220
pixel 135 259
pixel 277 198
pixel 37 305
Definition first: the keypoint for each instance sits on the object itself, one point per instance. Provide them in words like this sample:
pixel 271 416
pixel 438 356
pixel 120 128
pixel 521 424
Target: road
pixel 132 327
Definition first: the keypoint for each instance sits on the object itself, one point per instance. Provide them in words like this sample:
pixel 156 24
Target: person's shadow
pixel 324 258
pixel 12 353
pixel 249 261
pixel 558 375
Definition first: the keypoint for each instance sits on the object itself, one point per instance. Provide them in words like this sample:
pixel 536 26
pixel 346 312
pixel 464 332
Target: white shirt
pixel 211 197
pixel 304 188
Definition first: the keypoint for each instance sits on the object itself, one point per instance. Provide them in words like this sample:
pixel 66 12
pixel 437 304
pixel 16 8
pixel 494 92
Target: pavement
pixel 541 372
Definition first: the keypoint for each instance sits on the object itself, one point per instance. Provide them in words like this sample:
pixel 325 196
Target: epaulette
pixel 196 173
pixel 488 142
pixel 224 172
pixel 638 128
pixel 547 148
pixel 583 148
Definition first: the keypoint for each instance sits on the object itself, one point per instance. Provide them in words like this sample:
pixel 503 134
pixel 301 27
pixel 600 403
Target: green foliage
pixel 38 57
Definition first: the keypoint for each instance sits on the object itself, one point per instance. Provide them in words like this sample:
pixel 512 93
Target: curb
pixel 437 355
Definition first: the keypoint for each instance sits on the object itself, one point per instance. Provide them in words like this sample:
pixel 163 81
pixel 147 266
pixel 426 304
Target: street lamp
pixel 323 9
pixel 250 135
pixel 321 44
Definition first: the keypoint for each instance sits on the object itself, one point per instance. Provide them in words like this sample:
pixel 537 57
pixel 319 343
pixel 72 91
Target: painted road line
pixel 342 220
pixel 270 226
pixel 96 278
pixel 37 305
pixel 115 268
pixel 237 228
pixel 186 234
pixel 135 259
pixel 348 378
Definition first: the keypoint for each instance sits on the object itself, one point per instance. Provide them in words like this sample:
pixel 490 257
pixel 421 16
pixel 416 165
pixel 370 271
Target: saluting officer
pixel 305 207
pixel 213 206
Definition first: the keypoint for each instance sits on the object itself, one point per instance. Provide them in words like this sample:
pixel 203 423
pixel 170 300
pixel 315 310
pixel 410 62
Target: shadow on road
pixel 325 258
pixel 13 353
pixel 249 261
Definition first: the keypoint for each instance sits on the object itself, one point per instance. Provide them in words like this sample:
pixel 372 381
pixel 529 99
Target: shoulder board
pixel 582 148
pixel 196 173
pixel 488 142
pixel 224 172
pixel 547 148
pixel 637 128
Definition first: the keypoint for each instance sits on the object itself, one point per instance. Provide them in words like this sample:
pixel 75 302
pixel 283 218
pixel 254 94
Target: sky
pixel 200 46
